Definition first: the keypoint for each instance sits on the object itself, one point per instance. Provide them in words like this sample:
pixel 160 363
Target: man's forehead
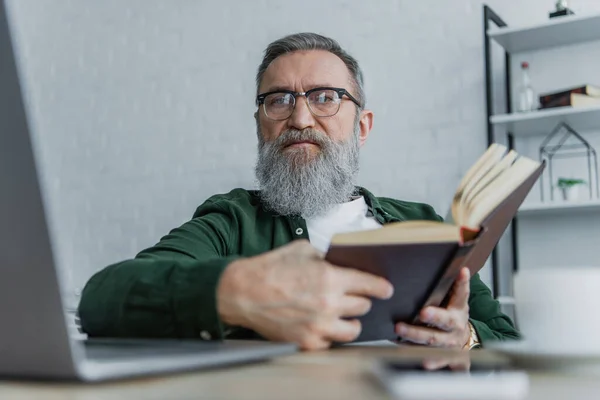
pixel 306 69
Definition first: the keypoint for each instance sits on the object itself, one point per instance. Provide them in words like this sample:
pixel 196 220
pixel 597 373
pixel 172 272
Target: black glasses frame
pixel 260 99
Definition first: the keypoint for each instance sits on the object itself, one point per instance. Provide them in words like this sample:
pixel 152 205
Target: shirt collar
pixel 376 208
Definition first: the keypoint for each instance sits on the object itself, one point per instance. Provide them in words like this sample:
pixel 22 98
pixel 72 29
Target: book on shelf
pixel 422 259
pixel 589 90
pixel 574 100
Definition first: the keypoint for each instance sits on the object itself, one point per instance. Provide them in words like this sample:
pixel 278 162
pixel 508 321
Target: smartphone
pixel 407 379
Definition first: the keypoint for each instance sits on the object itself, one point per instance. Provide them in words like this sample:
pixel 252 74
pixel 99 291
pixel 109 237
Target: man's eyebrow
pixel 287 88
pixel 277 89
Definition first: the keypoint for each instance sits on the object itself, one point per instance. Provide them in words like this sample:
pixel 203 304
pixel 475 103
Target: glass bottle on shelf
pixel 527 98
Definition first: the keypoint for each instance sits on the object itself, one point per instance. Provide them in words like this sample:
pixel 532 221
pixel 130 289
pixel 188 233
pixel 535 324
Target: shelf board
pixel 544 121
pixel 559 207
pixel 556 32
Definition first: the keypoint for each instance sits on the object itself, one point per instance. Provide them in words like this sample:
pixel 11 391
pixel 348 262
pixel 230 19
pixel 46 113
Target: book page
pixel 492 174
pixel 490 197
pixel 492 155
pixel 494 177
pixel 402 232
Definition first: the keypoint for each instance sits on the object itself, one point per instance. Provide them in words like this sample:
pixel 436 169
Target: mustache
pixel 292 136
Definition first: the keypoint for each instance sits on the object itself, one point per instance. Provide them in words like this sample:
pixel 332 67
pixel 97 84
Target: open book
pixel 486 184
pixel 423 258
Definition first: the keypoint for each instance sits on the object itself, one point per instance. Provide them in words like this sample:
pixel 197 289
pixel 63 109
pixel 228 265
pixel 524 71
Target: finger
pixel 313 342
pixel 455 362
pixel 444 319
pixel 461 365
pixel 305 248
pixel 362 283
pixel 343 330
pixel 354 306
pixel 425 336
pixel 435 364
pixel 317 254
pixel 461 291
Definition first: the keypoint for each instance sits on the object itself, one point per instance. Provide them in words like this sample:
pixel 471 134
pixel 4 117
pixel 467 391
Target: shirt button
pixel 205 335
pixel 299 231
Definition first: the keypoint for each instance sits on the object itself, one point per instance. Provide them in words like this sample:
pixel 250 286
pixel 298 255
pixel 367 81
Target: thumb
pixel 461 290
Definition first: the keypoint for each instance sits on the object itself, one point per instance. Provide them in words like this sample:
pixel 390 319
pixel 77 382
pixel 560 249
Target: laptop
pixel 34 335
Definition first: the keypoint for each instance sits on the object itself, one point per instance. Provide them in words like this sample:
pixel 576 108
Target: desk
pixel 334 374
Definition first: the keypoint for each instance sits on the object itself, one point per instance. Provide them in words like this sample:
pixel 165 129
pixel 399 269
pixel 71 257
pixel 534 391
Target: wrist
pixel 227 293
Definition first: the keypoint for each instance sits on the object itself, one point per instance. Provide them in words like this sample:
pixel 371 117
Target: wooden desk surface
pixel 334 374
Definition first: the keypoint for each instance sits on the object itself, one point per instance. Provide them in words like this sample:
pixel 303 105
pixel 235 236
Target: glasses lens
pixel 324 103
pixel 279 105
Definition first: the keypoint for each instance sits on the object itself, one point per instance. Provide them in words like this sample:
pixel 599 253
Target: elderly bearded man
pixel 249 264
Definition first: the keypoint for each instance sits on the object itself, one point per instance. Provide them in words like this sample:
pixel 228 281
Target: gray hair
pixel 312 41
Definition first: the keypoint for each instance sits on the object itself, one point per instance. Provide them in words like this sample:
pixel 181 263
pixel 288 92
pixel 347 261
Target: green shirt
pixel 169 290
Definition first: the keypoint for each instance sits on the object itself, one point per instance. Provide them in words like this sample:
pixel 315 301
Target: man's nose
pixel 301 117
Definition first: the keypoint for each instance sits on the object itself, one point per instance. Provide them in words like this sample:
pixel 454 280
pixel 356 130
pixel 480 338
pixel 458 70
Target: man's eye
pixel 280 100
pixel 325 97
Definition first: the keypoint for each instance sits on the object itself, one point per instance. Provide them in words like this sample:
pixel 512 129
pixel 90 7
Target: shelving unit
pixel 543 121
pixel 558 207
pixel 562 31
pixel 554 33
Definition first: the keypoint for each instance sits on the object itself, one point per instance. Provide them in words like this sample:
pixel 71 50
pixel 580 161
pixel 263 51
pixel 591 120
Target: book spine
pixel 547 99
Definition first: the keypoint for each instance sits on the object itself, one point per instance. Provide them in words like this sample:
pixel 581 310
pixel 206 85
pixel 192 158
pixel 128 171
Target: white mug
pixel 559 308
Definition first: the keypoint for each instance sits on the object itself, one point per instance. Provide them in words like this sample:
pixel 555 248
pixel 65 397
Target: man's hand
pixel 447 327
pixel 292 294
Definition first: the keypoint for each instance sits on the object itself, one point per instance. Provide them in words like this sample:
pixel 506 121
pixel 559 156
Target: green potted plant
pixel 570 187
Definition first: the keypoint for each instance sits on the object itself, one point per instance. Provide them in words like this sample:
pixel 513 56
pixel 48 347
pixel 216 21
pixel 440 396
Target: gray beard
pixel 297 182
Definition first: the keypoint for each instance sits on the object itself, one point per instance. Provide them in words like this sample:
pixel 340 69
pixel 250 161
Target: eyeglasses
pixel 322 102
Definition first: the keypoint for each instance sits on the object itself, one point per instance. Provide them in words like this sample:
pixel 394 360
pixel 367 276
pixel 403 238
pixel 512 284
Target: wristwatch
pixel 473 341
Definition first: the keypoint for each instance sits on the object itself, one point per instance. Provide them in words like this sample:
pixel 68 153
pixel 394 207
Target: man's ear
pixel 365 126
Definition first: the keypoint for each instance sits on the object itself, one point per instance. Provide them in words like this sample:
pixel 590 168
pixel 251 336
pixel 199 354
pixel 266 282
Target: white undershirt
pixel 345 217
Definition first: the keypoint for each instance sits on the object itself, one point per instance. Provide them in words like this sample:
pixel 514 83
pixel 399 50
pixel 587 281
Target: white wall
pixel 143 108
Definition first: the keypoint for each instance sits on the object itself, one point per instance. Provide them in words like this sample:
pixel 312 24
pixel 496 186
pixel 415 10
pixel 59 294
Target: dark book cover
pixel 413 269
pixel 562 101
pixel 573 100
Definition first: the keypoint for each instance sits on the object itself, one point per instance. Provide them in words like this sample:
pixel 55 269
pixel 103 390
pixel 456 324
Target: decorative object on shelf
pixel 562 9
pixel 555 146
pixel 528 100
pixel 579 96
pixel 570 188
